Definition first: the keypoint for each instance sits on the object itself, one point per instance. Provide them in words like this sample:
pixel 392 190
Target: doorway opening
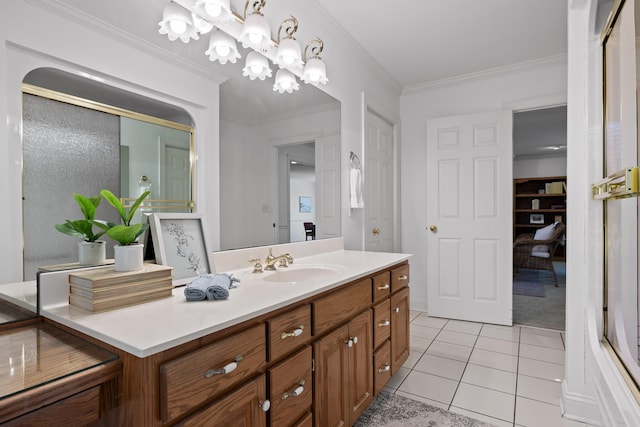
pixel 539 213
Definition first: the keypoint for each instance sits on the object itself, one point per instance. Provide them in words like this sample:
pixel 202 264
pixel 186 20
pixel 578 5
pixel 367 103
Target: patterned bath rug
pixel 391 410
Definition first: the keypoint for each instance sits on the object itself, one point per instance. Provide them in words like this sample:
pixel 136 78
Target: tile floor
pixel 507 376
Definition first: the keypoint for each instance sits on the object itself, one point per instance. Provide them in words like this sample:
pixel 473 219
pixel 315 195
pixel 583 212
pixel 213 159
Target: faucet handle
pixel 283 262
pixel 257 267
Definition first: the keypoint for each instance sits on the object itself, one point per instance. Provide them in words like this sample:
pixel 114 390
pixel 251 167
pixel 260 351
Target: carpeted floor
pixel 529 282
pixel 390 410
pixel 547 312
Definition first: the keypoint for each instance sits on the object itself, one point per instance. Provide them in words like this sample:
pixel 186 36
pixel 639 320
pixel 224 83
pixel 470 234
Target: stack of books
pixel 106 289
pixel 556 187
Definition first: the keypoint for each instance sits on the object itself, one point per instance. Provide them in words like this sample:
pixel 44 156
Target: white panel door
pixel 177 173
pixel 327 159
pixel 469 208
pixel 378 185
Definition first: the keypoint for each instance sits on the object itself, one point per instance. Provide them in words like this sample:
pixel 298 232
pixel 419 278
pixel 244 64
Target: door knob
pixel 433 228
pixel 376 231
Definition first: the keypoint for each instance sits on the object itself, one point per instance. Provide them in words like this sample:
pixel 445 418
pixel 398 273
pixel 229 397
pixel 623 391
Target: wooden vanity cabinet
pixel 399 329
pixel 290 389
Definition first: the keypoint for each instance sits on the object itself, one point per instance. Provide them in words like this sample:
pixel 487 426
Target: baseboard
pixel 579 408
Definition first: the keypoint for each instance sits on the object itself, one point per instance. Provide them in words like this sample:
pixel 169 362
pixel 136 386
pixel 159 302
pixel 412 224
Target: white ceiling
pixel 415 42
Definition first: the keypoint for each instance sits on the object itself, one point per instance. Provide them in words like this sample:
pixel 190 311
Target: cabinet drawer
pixel 239 408
pixel 399 277
pixel 381 367
pixel 290 388
pixel 283 330
pixel 80 409
pixel 381 286
pixel 190 380
pixel 340 306
pixel 381 322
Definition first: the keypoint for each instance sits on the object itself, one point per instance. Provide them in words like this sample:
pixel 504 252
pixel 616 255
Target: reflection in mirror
pixel 261 133
pixel 74 143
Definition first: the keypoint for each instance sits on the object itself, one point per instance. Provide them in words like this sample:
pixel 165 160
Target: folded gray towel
pixel 197 290
pixel 210 286
pixel 220 285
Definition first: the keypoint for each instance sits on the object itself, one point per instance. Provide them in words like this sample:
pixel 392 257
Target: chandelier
pixel 188 19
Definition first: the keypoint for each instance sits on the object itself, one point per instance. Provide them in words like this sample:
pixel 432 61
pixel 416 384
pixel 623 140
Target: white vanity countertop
pixel 149 328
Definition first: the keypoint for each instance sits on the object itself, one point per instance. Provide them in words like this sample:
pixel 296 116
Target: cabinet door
pixel 290 388
pixel 331 379
pixel 360 365
pixel 239 408
pixel 399 329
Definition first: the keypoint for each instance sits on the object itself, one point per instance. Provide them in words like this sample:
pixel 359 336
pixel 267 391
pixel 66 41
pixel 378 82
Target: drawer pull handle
pixel 265 405
pixel 396 310
pixel 297 392
pixel 386 368
pixel 383 288
pixel 295 333
pixel 228 368
pixel 403 277
pixel 385 323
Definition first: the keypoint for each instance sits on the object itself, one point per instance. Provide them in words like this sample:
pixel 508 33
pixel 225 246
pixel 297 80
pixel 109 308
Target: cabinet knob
pixel 297 392
pixel 265 405
pixel 355 340
pixel 295 333
pixel 383 288
pixel 385 323
pixel 349 342
pixel 396 310
pixel 385 368
pixel 226 369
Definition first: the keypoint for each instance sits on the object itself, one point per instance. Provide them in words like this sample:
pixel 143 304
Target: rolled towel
pixel 197 290
pixel 219 285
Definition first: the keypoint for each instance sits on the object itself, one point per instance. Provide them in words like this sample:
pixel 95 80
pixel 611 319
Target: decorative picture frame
pixel 304 203
pixel 180 241
pixel 536 219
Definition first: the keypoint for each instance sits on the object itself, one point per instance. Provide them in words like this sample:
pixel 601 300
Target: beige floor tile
pixel 472 328
pixel 539 389
pixel 429 386
pixel 441 366
pixel 491 359
pixel 480 417
pixel 531 413
pixel 459 338
pixel 543 341
pixel 494 379
pixel 501 332
pixel 538 331
pixel 432 322
pixel 484 401
pixel 419 344
pixel 497 345
pixel 423 331
pixel 414 356
pixel 539 369
pixel 542 353
pixel 444 406
pixel 450 351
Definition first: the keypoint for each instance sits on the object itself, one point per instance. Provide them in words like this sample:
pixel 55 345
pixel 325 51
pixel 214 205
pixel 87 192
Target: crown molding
pixel 486 74
pixel 98 26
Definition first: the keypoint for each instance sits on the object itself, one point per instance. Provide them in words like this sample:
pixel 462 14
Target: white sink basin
pixel 303 274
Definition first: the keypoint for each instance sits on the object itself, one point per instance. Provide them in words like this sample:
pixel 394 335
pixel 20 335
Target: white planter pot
pixel 91 253
pixel 129 258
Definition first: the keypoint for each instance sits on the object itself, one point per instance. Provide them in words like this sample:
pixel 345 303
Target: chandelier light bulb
pixel 285 81
pixel 177 22
pixel 289 54
pixel 214 11
pixel 256 32
pixel 256 66
pixel 222 48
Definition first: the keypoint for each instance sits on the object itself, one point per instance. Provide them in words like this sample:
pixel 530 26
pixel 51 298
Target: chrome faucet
pixel 270 261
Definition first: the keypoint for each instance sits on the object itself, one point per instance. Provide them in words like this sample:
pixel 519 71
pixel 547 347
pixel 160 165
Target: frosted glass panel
pixel 67 149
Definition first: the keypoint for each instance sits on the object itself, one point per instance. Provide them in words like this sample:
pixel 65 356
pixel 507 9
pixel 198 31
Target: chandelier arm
pixel 291 30
pixel 257 5
pixel 315 50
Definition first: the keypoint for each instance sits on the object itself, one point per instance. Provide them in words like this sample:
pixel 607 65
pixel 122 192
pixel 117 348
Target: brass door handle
pixel 376 231
pixel 433 228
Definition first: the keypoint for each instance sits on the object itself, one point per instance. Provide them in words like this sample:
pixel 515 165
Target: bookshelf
pixel 538 202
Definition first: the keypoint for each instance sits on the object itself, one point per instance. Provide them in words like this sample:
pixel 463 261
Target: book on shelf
pixel 121 289
pixel 109 276
pixel 112 303
pixel 548 188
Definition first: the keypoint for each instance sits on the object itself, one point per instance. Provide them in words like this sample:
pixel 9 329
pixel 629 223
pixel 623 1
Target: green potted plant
pixel 91 251
pixel 128 253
